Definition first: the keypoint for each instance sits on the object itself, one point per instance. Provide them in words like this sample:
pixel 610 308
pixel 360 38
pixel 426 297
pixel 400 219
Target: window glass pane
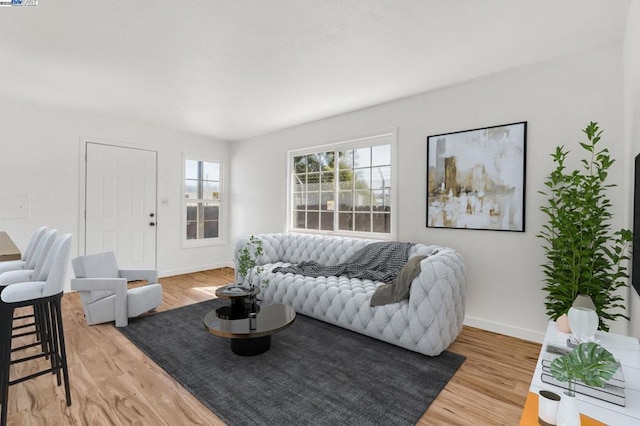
pixel 363 178
pixel 381 155
pixel 211 229
pixel 313 201
pixel 313 163
pixel 381 200
pixel 211 211
pixel 300 219
pixel 346 180
pixel 328 160
pixel 345 221
pixel 211 190
pixel 192 230
pixel 362 222
pixel 191 169
pixel 381 177
pixel 313 182
pixel 192 210
pixel 300 164
pixel 327 181
pixel 299 200
pixel 346 201
pixel 346 159
pixel 327 201
pixel 191 189
pixel 362 157
pixel 381 223
pixel 313 220
pixel 326 221
pixel 210 171
pixel 362 200
pixel 300 182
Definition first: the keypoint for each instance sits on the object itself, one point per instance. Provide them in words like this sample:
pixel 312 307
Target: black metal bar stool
pixel 45 297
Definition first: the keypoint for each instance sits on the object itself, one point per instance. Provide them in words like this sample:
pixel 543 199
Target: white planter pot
pixel 568 414
pixel 583 322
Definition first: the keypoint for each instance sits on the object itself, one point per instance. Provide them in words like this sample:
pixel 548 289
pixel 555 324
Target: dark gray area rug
pixel 314 373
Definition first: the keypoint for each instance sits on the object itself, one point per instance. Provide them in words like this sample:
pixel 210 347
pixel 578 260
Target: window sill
pixel 211 242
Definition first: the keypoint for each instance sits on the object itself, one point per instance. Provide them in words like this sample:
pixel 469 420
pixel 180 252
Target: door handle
pixel 152 224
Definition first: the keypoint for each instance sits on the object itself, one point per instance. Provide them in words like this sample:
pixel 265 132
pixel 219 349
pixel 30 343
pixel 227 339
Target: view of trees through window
pixel 347 190
pixel 202 197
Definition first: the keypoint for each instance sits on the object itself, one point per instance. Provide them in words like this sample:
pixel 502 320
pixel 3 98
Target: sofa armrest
pixel 116 285
pixel 440 289
pixel 150 275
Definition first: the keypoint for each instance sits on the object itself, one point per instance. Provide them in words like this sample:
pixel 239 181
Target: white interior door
pixel 120 204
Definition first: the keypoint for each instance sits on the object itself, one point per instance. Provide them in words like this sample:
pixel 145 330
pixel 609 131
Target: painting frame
pixel 476 178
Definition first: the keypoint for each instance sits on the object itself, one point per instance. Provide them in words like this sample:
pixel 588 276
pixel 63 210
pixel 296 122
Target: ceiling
pixel 233 69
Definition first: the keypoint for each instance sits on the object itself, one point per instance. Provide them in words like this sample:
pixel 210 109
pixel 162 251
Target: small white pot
pixel 568 414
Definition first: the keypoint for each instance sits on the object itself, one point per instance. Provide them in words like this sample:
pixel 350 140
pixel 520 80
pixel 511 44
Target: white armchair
pixel 104 292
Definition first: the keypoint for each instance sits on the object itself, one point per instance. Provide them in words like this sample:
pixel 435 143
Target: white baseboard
pixel 172 272
pixel 521 333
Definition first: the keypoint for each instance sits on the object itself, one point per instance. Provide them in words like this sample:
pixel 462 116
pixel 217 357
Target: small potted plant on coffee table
pixel 588 363
pixel 248 262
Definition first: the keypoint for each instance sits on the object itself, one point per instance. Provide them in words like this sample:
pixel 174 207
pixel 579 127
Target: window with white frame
pixel 202 198
pixel 344 188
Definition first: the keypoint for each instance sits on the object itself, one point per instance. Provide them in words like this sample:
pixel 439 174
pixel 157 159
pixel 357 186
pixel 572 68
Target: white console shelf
pixel 625 349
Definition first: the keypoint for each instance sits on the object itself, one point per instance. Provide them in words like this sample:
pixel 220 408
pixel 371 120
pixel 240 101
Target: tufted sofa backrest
pixel 296 248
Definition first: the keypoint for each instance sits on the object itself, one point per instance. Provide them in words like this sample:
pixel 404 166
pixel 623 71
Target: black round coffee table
pixel 252 335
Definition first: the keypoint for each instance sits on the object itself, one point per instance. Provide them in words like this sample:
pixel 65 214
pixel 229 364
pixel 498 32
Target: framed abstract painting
pixel 476 178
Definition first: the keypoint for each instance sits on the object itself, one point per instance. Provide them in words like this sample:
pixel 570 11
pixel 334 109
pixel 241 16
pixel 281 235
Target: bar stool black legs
pixel 49 328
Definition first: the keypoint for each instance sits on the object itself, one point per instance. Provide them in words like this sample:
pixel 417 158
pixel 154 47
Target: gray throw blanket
pixel 380 261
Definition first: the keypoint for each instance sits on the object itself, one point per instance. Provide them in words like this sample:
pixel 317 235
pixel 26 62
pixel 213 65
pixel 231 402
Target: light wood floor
pixel 113 383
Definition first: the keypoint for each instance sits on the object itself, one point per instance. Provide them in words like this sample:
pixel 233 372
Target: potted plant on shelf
pixel 588 363
pixel 584 256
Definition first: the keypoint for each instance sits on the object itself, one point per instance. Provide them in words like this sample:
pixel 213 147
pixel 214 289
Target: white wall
pixel 632 126
pixel 557 98
pixel 40 158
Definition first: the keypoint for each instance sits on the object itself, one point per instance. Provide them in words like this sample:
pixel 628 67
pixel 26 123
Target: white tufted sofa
pixel 428 322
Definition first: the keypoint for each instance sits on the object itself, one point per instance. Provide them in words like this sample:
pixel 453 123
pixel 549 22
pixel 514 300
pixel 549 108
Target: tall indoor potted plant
pixel 584 256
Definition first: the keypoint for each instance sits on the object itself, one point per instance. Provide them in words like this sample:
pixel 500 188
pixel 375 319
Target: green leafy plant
pixel 584 256
pixel 589 363
pixel 249 261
